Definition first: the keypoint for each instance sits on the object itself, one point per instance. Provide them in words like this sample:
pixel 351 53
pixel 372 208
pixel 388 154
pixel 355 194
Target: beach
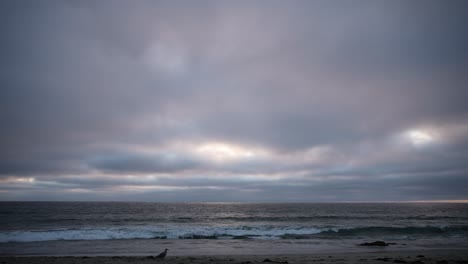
pixel 448 256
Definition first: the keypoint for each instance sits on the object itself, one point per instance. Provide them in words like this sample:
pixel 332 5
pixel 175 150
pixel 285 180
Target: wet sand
pixel 402 257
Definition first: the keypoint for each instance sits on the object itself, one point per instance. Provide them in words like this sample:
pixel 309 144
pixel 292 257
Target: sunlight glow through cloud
pixel 19 180
pixel 419 137
pixel 219 151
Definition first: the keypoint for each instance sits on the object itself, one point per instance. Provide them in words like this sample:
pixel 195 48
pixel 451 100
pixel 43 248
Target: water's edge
pixel 146 247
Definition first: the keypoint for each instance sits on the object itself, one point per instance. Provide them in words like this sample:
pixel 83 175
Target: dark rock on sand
pixel 384 259
pixel 375 244
pixel 420 256
pixel 269 260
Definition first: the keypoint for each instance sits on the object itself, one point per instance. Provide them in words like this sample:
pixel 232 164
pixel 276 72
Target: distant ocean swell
pixel 332 217
pixel 226 232
pixel 250 219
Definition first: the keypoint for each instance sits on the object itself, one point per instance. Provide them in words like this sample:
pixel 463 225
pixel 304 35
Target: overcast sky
pixel 251 101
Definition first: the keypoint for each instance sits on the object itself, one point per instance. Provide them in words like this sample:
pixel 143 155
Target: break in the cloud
pixel 233 100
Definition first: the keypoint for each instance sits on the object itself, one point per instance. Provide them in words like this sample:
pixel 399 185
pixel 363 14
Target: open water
pixel 108 228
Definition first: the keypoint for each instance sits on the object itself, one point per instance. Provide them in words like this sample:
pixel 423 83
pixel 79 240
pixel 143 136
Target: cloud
pixel 234 101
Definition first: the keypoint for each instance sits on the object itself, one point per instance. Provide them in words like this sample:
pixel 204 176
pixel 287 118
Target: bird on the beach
pixel 162 254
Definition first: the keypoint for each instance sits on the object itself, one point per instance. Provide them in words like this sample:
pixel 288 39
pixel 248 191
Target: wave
pixel 378 231
pixel 227 232
pixel 323 217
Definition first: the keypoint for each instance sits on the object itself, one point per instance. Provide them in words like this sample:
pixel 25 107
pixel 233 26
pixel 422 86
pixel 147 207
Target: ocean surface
pixel 119 228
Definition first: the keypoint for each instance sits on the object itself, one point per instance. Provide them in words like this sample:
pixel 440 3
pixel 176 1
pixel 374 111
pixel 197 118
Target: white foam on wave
pixel 148 232
pixel 73 234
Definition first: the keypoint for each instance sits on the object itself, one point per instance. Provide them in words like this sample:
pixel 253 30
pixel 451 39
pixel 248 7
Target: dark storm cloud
pixel 302 97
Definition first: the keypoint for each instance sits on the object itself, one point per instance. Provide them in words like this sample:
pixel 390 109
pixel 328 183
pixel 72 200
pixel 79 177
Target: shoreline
pixel 203 247
pixel 446 256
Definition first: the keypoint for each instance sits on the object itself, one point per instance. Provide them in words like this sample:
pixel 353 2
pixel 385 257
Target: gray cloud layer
pixel 235 101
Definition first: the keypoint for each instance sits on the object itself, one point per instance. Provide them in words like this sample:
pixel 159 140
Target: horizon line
pixel 456 201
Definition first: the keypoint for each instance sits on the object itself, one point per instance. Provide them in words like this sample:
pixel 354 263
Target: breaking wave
pixel 227 232
pixel 384 231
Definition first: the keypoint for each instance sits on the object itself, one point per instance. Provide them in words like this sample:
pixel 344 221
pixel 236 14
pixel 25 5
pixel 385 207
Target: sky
pixel 234 101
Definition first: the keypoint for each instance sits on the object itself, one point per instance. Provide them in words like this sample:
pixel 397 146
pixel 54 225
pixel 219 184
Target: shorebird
pixel 162 254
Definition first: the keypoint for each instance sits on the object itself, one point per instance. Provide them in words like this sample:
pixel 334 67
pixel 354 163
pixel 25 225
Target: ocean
pixel 121 228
